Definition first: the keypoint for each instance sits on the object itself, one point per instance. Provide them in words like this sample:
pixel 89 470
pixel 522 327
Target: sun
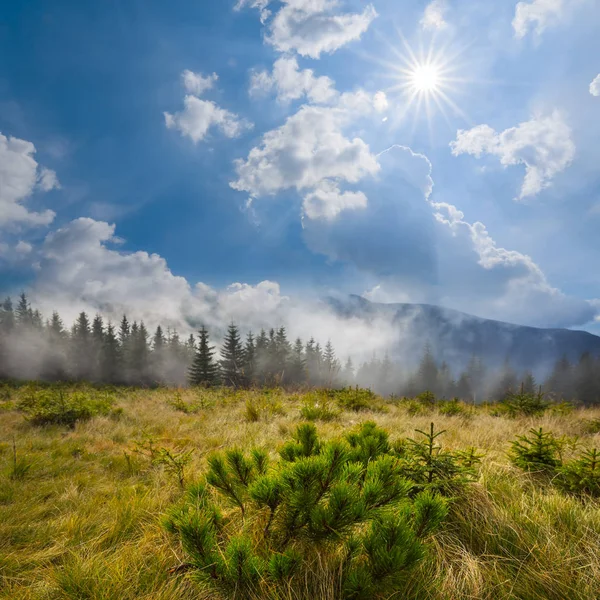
pixel 425 78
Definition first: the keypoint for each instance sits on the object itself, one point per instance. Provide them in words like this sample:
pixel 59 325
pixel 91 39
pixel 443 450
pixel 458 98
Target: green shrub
pixel 581 476
pixel 526 404
pixel 317 407
pixel 345 504
pixel 56 406
pixel 431 468
pixel 453 408
pixel 540 451
pixel 173 461
pixel 356 399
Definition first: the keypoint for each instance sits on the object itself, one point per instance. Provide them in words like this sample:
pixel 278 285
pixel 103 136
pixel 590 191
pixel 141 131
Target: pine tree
pixel 428 372
pixel 507 383
pixel 23 313
pixel 249 366
pixel 348 372
pixel 7 317
pixel 204 370
pixel 97 344
pixel 110 358
pixel 80 348
pixel 139 355
pixel 232 358
pixel 560 383
pixel 529 385
pixel 298 363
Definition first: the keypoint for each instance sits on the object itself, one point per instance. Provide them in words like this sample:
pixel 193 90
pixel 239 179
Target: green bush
pixel 356 399
pixel 317 407
pixel 347 505
pixel 540 451
pixel 581 476
pixel 453 408
pixel 56 406
pixel 526 404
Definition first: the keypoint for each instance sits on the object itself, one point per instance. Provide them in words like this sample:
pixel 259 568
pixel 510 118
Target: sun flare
pixel 425 78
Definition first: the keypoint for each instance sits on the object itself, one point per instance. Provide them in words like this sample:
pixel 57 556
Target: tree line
pixel 32 347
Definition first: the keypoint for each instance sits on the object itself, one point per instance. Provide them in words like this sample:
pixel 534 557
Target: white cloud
pixel 314 27
pixel 196 83
pixel 83 268
pixel 433 17
pixel 291 84
pixel 307 149
pixel 537 15
pixel 20 178
pixel 198 116
pixel 260 5
pixel 23 248
pixel 419 250
pixel 595 87
pixel 326 201
pixel 544 145
pixel 380 102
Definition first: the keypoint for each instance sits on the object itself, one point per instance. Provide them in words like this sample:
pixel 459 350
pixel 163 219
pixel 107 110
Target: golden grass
pixel 84 522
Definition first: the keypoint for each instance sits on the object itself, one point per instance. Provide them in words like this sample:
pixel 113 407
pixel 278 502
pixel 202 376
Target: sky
pixel 185 159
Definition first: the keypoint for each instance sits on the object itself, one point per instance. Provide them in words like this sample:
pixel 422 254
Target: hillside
pixel 455 336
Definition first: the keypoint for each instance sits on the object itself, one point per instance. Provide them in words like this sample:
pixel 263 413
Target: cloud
pixel 83 267
pixel 326 201
pixel 433 17
pixel 311 27
pixel 537 15
pixel 292 84
pixel 309 148
pixel 420 250
pixel 544 145
pixel 20 178
pixel 199 116
pixel 196 83
pixel 595 87
pixel 260 5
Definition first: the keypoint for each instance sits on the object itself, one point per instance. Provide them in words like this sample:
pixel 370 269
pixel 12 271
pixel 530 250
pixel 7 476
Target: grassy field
pixel 81 508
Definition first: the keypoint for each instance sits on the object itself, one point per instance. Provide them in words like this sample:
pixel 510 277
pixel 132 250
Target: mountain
pixel 455 336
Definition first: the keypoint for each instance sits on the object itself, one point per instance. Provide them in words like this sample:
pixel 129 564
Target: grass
pixel 83 519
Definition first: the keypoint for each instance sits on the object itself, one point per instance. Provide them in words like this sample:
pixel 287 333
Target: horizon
pixel 227 160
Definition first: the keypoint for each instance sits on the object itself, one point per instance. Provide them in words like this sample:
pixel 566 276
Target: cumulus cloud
pixel 20 178
pixel 433 17
pixel 309 148
pixel 196 83
pixel 326 201
pixel 260 5
pixel 537 15
pixel 420 250
pixel 544 145
pixel 311 27
pixel 595 87
pixel 199 116
pixel 290 83
pixel 84 267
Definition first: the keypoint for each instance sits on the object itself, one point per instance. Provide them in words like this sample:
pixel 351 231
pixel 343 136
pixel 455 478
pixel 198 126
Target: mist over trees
pixel 32 347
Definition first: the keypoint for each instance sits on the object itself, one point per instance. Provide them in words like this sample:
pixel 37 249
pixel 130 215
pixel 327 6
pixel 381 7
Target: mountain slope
pixel 455 336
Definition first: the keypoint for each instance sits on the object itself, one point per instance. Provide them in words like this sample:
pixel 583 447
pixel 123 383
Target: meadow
pixel 86 496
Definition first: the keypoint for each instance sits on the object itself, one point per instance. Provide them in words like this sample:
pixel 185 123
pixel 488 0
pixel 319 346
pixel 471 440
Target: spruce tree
pixel 110 357
pixel 298 363
pixel 23 312
pixel 249 366
pixel 81 360
pixel 204 370
pixel 428 372
pixel 232 358
pixel 348 372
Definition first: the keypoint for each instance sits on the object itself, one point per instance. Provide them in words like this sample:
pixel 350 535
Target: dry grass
pixel 84 520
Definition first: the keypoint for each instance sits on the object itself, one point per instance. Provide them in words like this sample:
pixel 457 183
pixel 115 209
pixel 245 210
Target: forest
pixel 32 347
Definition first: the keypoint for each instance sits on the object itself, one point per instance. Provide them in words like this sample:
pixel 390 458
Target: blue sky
pixel 129 173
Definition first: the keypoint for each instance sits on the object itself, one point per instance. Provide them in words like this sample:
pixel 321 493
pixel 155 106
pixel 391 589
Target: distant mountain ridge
pixel 455 336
